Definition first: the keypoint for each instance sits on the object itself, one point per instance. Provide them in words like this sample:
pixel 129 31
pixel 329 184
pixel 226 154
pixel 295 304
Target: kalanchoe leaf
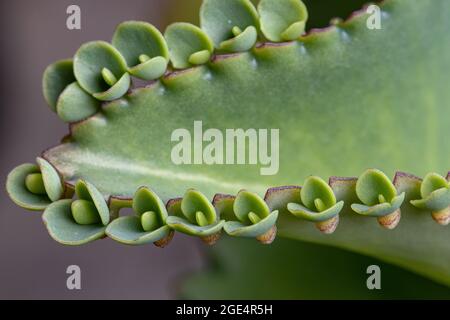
pixel 148 225
pixel 87 191
pixel 35 183
pixel 282 20
pixel 379 198
pixel 145 200
pixel 63 228
pixel 93 65
pixel 232 24
pixel 184 226
pixel 52 181
pixel 248 202
pixel 198 217
pixel 20 193
pixel 435 193
pixel 75 104
pixel 318 205
pixel 129 230
pixel 373 183
pixel 56 78
pixel 84 212
pixel 188 45
pixel 254 218
pixel 144 48
pixel 193 202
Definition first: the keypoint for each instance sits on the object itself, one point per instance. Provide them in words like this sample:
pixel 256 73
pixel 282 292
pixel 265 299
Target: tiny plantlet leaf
pixel 84 212
pixel 282 20
pixel 56 78
pixel 90 61
pixel 188 45
pixel 219 18
pixel 35 183
pixel 75 104
pixel 150 221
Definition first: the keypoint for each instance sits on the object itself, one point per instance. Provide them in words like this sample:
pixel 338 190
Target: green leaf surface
pixel 332 97
pixel 62 227
pixel 56 78
pixel 75 104
pixel 187 43
pixel 184 226
pixel 238 229
pixel 128 230
pixel 282 20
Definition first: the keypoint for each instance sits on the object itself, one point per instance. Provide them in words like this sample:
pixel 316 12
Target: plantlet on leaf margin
pixel 34 187
pixel 147 58
pixel 147 226
pixel 379 198
pixel 318 205
pixel 435 193
pixel 254 219
pixel 198 217
pixel 76 222
pixel 232 25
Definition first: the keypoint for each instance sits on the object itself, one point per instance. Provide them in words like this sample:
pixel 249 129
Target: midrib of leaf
pixel 331 95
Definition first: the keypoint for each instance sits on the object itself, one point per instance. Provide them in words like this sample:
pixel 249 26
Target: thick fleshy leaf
pixel 56 78
pixel 116 91
pixel 315 189
pixel 87 191
pixel 238 229
pixel 379 210
pixel 373 183
pixel 136 38
pixel 89 62
pixel 151 69
pixel 188 45
pixel 193 202
pixel 241 42
pixel 276 86
pixel 18 192
pixel 75 104
pixel 128 230
pixel 52 181
pixel 282 20
pixel 62 227
pixel 146 200
pixel 431 183
pixel 184 226
pixel 436 201
pixel 305 213
pixel 218 18
pixel 247 202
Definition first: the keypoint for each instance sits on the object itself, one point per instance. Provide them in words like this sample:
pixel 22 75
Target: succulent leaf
pixel 128 230
pixel 56 78
pixel 188 45
pixel 75 104
pixel 87 191
pixel 143 47
pixel 62 227
pixel 282 20
pixel 92 62
pixel 232 25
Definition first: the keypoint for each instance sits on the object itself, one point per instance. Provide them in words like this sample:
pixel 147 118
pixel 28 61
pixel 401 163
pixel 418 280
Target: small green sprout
pixel 197 217
pixel 80 221
pixel 318 205
pixel 435 193
pixel 147 226
pixel 379 198
pixel 254 219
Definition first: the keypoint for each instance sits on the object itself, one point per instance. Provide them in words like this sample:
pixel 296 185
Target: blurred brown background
pixel 32 266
